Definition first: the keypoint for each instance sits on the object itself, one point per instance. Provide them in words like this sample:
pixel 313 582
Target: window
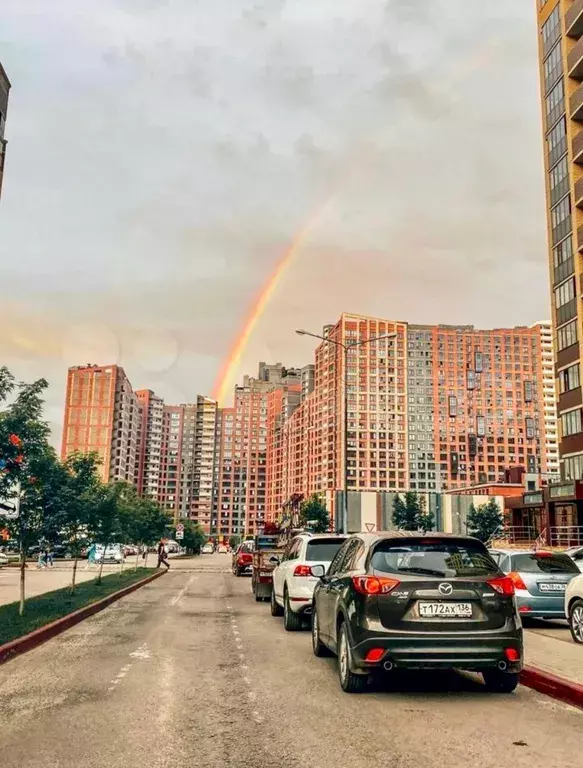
pixel 480 426
pixel 528 391
pixel 557 562
pixel 555 103
pixel 563 260
pixel 452 405
pixel 569 378
pixel 574 467
pixel 559 180
pixel 471 380
pixel 567 335
pixel 478 361
pixel 551 30
pixel 557 142
pixel 571 422
pixel 447 558
pixel 561 219
pixel 530 430
pixel 553 67
pixel 565 293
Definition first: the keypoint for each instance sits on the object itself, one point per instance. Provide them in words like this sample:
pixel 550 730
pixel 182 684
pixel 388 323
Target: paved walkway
pixel 563 659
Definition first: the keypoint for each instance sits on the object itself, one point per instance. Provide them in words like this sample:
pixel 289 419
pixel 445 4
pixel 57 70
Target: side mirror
pixel 318 571
pixel 274 559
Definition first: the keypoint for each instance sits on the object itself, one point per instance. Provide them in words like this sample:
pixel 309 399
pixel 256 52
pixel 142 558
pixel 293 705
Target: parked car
pixel 401 600
pixel 4 560
pixel 576 554
pixel 540 579
pixel 207 549
pixel 112 554
pixel 293 584
pixel 222 550
pixel 574 607
pixel 243 558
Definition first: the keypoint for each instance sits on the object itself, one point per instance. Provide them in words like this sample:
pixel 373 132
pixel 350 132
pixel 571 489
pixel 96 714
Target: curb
pixel 39 636
pixel 567 691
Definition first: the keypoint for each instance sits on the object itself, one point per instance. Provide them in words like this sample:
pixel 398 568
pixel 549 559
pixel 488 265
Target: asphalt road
pixel 190 671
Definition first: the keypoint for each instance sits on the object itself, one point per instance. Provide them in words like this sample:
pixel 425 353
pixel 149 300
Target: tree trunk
pixel 22 578
pixel 137 559
pixel 98 579
pixel 121 563
pixel 74 574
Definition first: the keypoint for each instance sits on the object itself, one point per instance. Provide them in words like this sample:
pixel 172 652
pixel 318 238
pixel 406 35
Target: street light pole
pixel 346 347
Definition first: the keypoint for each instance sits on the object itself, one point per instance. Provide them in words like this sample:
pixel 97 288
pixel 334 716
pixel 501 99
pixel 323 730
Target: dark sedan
pixel 417 601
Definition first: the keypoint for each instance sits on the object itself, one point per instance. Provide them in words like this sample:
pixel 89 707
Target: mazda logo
pixel 445 589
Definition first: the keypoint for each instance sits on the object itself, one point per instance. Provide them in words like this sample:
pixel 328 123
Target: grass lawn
pixel 46 608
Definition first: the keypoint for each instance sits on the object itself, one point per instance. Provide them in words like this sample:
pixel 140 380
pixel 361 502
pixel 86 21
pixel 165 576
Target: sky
pixel 164 154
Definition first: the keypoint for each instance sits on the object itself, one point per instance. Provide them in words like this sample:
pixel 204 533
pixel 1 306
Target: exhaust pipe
pixel 388 665
pixel 502 666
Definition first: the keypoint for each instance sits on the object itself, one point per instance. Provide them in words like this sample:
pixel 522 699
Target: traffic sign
pixel 179 535
pixel 370 527
pixel 180 528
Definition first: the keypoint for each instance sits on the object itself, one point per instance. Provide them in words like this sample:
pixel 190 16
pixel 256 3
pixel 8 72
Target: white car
pixel 574 607
pixel 4 559
pixel 576 554
pixel 208 549
pixel 223 549
pixel 293 583
pixel 113 554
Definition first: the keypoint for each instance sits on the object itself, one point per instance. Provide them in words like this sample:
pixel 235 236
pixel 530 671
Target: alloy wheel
pixel 315 631
pixel 577 623
pixel 343 656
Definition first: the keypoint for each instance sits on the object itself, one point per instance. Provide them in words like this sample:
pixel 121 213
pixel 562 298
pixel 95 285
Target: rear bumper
pixel 540 607
pixel 478 651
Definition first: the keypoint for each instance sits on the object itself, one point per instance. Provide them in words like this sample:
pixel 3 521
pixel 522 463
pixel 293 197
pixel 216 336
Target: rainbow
pixel 227 375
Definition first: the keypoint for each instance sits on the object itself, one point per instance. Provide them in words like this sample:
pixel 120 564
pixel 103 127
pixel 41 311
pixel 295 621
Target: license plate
pixel 552 587
pixel 445 610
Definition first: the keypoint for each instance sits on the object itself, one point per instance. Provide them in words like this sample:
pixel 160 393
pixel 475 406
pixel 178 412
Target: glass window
pixel 323 550
pixel 560 212
pixel 559 180
pixel 557 142
pixel 339 557
pixel 569 378
pixel 574 467
pixel 444 558
pixel 545 562
pixel 565 293
pixel 555 103
pixel 551 30
pixel 571 422
pixel 567 335
pixel 553 67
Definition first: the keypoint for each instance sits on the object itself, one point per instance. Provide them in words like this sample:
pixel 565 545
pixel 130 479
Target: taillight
pixel 503 585
pixel 245 559
pixel 512 654
pixel 302 570
pixel 516 579
pixel 374 585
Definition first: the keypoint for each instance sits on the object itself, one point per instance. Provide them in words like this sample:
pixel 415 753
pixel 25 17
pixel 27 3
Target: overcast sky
pixel 163 153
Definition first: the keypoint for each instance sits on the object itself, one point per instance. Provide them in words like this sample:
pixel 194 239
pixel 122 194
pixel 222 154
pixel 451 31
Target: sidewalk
pixel 554 667
pixel 43 580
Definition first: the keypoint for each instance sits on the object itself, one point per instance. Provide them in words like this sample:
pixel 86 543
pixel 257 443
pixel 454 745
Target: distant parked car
pixel 113 554
pixel 574 608
pixel 576 554
pixel 540 579
pixel 243 558
pixel 208 549
pixel 223 549
pixel 4 559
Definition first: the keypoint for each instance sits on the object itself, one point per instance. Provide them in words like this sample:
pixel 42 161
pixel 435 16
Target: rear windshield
pixel 323 550
pixel 266 542
pixel 553 563
pixel 247 546
pixel 445 558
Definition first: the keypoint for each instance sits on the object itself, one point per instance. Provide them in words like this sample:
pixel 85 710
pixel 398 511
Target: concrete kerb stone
pixel 567 691
pixel 39 636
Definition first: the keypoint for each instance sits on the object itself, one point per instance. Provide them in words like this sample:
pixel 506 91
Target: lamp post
pixel 346 347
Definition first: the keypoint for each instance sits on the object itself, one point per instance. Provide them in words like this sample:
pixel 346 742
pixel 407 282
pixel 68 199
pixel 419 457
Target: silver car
pixel 540 580
pixel 576 554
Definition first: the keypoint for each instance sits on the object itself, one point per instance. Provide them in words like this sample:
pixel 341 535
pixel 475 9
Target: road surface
pixel 190 671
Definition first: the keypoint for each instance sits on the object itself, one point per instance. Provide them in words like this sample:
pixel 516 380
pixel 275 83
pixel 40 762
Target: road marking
pixel 142 653
pixel 176 599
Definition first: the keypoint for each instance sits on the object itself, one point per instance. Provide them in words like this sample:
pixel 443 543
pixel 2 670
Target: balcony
pixel 574 20
pixel 580 239
pixel 577 148
pixel 575 61
pixel 579 190
pixel 576 103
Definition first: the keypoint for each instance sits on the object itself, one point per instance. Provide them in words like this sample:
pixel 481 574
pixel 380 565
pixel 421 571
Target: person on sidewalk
pixel 49 557
pixel 91 555
pixel 162 556
pixel 40 563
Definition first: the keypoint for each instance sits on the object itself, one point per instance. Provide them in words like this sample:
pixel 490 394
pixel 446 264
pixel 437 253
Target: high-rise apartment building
pixel 102 414
pixel 560 28
pixel 241 474
pixel 435 408
pixel 149 444
pixel 4 91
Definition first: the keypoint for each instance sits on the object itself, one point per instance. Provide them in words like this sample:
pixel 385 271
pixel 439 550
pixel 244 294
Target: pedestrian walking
pixel 49 557
pixel 41 562
pixel 91 555
pixel 163 556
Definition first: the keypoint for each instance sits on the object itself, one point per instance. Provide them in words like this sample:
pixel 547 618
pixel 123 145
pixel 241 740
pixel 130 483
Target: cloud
pixel 163 156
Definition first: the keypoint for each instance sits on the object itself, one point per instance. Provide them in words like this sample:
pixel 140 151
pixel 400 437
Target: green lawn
pixel 43 609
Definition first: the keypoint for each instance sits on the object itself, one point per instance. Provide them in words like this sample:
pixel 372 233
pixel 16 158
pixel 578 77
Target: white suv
pixel 293 583
pixel 574 607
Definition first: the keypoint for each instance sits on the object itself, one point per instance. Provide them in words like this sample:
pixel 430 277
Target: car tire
pixel 500 682
pixel 349 682
pixel 576 621
pixel 318 647
pixel 276 609
pixel 237 572
pixel 292 622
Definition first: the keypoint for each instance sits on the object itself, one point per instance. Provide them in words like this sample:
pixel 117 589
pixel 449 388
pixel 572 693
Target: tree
pixel 194 537
pixel 484 521
pixel 410 514
pixel 145 523
pixel 108 521
pixel 28 466
pixel 234 541
pixel 314 515
pixel 80 497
